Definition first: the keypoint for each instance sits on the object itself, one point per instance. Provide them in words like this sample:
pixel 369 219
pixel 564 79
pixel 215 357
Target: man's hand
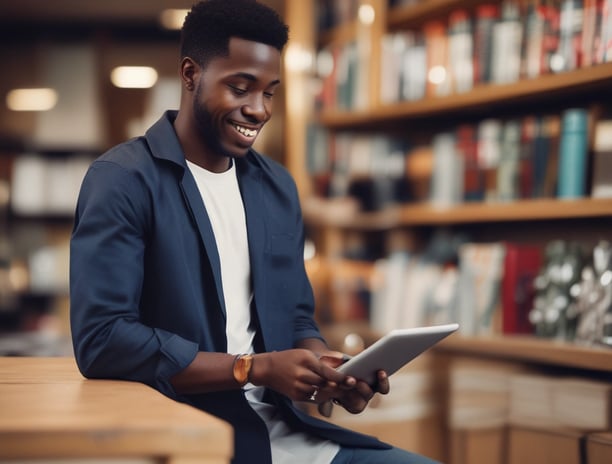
pixel 299 374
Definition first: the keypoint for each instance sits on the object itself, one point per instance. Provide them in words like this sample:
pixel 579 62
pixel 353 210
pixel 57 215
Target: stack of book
pixel 540 401
pixel 480 394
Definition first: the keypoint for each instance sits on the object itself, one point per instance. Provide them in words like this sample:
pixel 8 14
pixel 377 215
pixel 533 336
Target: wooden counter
pixel 48 410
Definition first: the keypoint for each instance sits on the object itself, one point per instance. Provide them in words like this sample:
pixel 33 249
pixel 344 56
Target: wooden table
pixel 48 410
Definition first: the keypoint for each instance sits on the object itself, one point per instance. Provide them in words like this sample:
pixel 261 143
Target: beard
pixel 207 130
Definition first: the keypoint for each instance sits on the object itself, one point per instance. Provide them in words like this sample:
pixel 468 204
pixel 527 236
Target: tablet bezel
pixel 394 350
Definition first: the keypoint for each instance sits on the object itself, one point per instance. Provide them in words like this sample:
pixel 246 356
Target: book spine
pixel 522 263
pixel 466 146
pixel 573 154
pixel 446 185
pixel 507 45
pixel 461 51
pixel 534 41
pixel 526 160
pixel 436 46
pixel 489 154
pixel 550 43
pixel 568 56
pixel 486 17
pixel 508 172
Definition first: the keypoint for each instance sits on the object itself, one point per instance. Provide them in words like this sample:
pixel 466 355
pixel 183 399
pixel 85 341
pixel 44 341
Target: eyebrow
pixel 252 78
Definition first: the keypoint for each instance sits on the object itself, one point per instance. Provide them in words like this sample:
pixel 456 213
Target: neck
pixel 195 149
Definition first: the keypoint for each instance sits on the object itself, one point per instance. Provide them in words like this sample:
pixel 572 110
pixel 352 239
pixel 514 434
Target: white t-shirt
pixel 221 195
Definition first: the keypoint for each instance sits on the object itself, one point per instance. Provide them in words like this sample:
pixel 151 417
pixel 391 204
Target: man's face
pixel 233 97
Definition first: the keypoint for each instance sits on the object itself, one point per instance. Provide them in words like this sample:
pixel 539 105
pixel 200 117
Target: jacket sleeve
pixel 106 276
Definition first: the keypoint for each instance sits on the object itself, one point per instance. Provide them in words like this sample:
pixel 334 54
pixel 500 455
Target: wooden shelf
pixel 523 210
pixel 416 15
pixel 531 350
pixel 467 213
pixel 481 98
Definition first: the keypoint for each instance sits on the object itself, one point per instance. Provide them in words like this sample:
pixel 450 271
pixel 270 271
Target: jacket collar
pixel 164 144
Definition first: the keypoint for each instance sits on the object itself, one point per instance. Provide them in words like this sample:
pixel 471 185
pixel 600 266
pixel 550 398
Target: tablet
pixel 394 350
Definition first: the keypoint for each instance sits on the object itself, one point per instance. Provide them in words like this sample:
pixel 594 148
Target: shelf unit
pixel 332 223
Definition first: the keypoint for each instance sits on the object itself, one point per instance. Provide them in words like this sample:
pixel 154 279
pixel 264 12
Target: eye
pixel 268 94
pixel 237 90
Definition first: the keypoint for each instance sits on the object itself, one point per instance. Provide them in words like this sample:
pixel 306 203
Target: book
pixel 486 16
pixel 602 160
pixel 466 146
pixel 573 153
pixel 507 45
pixel 446 184
pixel 569 54
pixel 529 127
pixel 548 401
pixel 414 69
pixel 461 51
pixel 522 263
pixel 534 41
pixel 481 270
pixel 489 154
pixel 436 47
pixel 550 42
pixel 509 161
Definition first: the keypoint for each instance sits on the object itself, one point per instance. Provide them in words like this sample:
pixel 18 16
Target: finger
pixel 325 408
pixel 331 374
pixel 383 386
pixel 332 361
pixel 364 390
pixel 353 402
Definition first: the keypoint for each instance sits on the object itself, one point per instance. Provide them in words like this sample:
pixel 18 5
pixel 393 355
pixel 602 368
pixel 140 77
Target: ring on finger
pixel 313 396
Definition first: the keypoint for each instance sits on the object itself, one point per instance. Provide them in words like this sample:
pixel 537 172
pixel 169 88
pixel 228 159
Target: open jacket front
pixel 145 278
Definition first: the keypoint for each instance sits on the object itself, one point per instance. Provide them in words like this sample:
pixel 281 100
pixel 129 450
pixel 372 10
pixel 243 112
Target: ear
pixel 189 71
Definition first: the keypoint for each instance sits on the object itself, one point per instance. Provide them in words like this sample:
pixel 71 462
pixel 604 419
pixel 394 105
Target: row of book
pixel 496 43
pixel 537 156
pixel 556 291
pixel 487 395
pixel 47 185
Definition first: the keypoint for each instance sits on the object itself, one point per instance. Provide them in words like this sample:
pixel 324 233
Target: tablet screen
pixel 394 350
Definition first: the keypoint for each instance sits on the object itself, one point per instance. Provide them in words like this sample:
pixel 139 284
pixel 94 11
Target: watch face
pixel 242 368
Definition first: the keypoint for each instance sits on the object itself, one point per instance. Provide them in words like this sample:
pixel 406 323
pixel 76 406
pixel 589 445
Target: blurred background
pixel 77 78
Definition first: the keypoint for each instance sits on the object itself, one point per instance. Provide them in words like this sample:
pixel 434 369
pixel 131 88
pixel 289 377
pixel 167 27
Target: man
pixel 187 267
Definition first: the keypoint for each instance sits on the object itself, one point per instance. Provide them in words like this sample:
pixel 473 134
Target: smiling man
pixel 187 268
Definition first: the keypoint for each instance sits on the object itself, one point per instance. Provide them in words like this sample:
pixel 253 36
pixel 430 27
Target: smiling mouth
pixel 251 133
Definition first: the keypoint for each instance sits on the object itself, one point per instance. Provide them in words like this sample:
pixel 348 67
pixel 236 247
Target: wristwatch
pixel 242 368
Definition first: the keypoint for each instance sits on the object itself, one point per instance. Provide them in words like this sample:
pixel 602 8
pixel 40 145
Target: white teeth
pixel 245 131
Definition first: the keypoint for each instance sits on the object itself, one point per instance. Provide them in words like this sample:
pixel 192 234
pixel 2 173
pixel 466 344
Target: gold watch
pixel 242 368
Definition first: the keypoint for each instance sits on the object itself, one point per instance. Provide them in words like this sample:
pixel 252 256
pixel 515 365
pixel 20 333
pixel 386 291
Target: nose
pixel 258 108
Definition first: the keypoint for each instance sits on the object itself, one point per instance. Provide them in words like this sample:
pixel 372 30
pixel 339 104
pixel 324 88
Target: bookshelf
pixel 483 99
pixel 525 349
pixel 332 224
pixel 424 214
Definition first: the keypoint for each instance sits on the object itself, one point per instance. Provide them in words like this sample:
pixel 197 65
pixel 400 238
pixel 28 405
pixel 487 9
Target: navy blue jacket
pixel 145 280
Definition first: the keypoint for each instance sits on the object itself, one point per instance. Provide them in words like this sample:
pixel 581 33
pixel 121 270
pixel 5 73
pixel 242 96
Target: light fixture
pixel 173 18
pixel 35 99
pixel 134 77
pixel 366 14
pixel 298 59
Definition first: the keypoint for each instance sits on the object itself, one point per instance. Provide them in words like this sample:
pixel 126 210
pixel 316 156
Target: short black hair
pixel 210 24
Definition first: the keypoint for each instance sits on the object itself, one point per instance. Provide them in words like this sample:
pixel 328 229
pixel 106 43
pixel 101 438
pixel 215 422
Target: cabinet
pixel 351 236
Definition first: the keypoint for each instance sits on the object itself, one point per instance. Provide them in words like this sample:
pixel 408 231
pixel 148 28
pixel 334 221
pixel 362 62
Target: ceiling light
pixel 41 99
pixel 366 14
pixel 173 18
pixel 134 77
